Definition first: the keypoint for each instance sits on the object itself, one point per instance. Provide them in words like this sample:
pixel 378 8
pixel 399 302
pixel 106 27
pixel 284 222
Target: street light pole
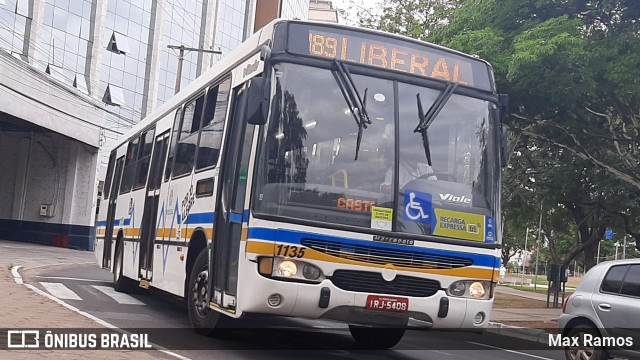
pixel 182 49
pixel 624 248
pixel 535 278
pixel 598 258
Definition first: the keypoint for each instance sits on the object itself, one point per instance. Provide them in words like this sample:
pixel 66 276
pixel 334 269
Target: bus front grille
pixel 383 256
pixel 373 283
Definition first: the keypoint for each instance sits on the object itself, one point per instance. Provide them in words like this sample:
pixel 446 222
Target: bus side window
pixel 108 177
pixel 144 157
pixel 130 165
pixel 213 125
pixel 187 142
pixel 174 141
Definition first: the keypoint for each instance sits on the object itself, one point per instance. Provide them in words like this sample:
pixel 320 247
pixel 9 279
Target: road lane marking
pixel 70 278
pixel 510 351
pixel 18 279
pixel 119 297
pixel 60 291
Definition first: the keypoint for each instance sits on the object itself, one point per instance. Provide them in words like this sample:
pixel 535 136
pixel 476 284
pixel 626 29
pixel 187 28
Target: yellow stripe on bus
pixel 263 248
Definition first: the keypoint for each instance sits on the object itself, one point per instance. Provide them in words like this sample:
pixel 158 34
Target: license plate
pixel 387 303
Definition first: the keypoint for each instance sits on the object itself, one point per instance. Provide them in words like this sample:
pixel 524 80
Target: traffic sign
pixel 608 234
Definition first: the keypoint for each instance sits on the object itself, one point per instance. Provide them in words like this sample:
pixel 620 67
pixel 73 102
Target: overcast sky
pixel 344 4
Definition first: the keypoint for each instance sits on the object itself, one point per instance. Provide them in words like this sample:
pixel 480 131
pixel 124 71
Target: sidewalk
pixel 21 308
pixel 548 315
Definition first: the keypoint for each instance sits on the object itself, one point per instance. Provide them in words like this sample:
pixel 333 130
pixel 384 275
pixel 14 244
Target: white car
pixel 604 312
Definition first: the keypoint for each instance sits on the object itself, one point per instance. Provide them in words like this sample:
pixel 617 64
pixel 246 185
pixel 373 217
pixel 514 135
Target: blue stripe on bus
pixel 126 222
pixel 236 218
pixel 101 223
pixel 294 237
pixel 201 218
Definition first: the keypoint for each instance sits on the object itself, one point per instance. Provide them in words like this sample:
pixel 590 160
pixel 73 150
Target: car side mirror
pixel 257 104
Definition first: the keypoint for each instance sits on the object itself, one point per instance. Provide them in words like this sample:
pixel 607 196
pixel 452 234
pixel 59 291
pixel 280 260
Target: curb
pixel 534 335
pixel 18 280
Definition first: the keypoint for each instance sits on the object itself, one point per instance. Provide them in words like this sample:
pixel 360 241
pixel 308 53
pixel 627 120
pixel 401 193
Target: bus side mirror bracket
pixel 503 101
pixel 256 104
pixel 258 93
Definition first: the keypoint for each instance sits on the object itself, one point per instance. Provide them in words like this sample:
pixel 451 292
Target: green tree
pixel 571 69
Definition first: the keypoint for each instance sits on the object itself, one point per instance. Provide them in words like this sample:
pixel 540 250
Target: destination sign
pixel 389 53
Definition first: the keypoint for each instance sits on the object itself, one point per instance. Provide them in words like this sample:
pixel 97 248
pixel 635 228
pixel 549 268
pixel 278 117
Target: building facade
pixel 322 10
pixel 116 50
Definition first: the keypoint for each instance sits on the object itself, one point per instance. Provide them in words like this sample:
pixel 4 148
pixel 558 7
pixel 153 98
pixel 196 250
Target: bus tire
pixel 376 338
pixel 204 320
pixel 120 283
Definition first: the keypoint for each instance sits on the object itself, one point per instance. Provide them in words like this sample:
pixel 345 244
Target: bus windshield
pixel 312 168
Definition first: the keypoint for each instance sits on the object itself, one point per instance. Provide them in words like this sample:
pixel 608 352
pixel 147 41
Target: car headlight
pixel 470 289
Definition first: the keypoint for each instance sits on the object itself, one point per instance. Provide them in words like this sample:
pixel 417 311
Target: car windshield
pixel 311 167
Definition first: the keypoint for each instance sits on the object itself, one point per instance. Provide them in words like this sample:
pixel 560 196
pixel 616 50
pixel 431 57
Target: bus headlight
pixel 477 290
pixel 470 289
pixel 457 289
pixel 293 269
pixel 310 272
pixel 287 268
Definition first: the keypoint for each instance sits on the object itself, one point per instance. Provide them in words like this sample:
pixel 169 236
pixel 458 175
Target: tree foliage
pixel 572 70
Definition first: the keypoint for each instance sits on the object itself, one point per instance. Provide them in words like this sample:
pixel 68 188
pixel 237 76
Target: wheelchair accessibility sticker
pixel 418 207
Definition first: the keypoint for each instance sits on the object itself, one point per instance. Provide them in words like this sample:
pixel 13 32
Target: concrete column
pixel 154 50
pixel 94 57
pixel 22 175
pixel 33 29
pixel 207 35
pixel 249 19
pixel 70 197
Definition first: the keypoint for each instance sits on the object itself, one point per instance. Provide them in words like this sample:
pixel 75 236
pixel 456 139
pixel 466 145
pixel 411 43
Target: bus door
pixel 148 228
pixel 111 212
pixel 230 208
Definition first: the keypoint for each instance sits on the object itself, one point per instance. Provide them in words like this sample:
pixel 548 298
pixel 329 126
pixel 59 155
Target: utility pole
pixel 624 247
pixel 182 49
pixel 524 255
pixel 535 279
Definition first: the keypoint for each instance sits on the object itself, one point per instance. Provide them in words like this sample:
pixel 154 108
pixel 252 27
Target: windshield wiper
pixel 426 119
pixel 351 95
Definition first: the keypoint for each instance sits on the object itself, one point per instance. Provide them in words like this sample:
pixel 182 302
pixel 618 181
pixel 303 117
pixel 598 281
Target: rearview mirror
pixel 504 136
pixel 257 104
pixel 503 100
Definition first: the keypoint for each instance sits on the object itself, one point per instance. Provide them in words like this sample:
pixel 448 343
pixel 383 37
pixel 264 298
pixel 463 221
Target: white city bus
pixel 318 171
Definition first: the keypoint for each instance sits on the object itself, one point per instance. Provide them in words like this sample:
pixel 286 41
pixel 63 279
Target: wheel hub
pixel 200 293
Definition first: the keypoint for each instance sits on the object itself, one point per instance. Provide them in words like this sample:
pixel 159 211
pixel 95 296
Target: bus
pixel 318 171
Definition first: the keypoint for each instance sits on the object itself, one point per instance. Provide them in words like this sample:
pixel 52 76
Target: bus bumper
pixel 310 301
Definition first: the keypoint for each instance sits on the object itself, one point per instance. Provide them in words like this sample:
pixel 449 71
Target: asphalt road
pixel 88 288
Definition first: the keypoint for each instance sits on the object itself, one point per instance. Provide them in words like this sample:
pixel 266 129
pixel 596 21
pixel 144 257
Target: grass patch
pixel 538 290
pixel 528 288
pixel 507 301
pixel 9 267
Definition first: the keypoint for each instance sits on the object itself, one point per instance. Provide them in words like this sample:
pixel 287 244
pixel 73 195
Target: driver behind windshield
pixel 407 172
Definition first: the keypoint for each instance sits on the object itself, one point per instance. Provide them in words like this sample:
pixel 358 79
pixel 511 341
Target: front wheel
pixel 376 338
pixel 584 351
pixel 120 282
pixel 204 320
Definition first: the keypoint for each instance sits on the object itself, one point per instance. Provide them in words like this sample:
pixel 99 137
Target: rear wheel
pixel 376 338
pixel 120 282
pixel 584 352
pixel 204 320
